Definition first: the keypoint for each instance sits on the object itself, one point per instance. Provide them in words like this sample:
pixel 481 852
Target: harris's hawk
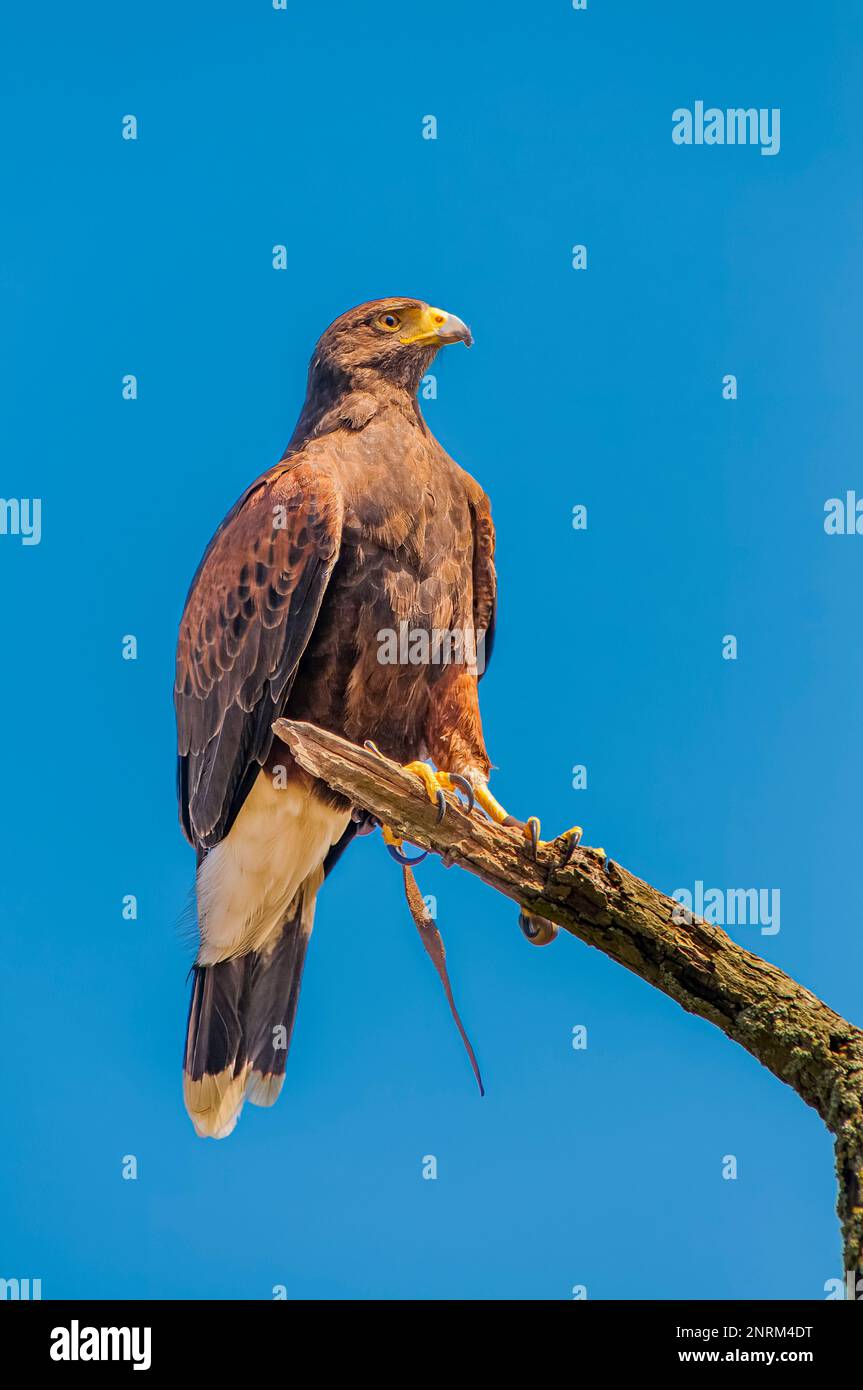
pixel 366 526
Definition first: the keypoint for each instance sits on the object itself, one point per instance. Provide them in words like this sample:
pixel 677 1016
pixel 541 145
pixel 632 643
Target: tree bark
pixel 790 1031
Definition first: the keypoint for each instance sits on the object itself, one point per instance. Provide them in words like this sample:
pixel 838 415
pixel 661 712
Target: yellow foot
pixel 437 784
pixel 496 812
pixel 571 840
pixel 530 828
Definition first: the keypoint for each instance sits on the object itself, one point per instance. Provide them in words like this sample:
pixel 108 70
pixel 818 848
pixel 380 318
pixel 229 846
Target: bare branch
pixel 790 1031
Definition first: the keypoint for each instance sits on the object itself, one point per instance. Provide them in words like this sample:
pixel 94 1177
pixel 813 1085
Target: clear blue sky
pixel 599 1167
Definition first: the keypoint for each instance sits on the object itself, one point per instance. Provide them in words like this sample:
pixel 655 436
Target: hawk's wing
pixel 484 573
pixel 249 615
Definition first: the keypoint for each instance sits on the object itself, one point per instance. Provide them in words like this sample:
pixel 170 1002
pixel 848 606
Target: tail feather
pixel 214 1071
pixel 241 1017
pixel 273 996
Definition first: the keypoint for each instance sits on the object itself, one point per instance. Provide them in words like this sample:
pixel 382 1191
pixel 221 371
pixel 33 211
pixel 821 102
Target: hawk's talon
pixel 364 821
pixel 531 830
pixel 394 847
pixel 538 930
pixel 437 784
pixel 464 786
pixel 403 859
pixel 571 841
pixel 493 809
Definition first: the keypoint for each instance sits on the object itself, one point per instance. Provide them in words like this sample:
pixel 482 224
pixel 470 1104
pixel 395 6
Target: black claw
pixel 572 845
pixel 405 859
pixel 538 930
pixel 372 747
pixel 441 805
pixel 464 786
pixel 530 931
pixel 364 821
pixel 534 834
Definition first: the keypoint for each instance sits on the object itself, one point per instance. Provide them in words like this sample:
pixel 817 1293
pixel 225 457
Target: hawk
pixel 365 527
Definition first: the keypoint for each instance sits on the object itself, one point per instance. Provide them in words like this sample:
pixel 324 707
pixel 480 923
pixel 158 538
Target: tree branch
pixel 786 1027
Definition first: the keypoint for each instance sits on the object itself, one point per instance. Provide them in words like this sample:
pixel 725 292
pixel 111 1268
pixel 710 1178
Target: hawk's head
pixel 392 338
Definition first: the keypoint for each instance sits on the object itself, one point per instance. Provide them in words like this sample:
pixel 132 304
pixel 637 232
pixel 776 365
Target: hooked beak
pixel 437 326
pixel 453 330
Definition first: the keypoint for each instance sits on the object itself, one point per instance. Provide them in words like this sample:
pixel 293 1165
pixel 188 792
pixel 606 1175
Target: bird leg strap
pixel 433 942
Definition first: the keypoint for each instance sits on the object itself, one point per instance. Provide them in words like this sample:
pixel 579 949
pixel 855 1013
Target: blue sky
pixel 600 1167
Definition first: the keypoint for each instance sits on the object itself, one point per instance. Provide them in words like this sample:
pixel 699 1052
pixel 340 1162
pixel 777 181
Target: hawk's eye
pixel 389 321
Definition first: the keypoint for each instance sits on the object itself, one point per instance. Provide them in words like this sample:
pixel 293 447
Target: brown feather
pixel 249 615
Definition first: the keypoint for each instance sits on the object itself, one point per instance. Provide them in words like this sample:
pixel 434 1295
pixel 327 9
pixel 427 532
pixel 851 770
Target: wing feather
pixel 250 612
